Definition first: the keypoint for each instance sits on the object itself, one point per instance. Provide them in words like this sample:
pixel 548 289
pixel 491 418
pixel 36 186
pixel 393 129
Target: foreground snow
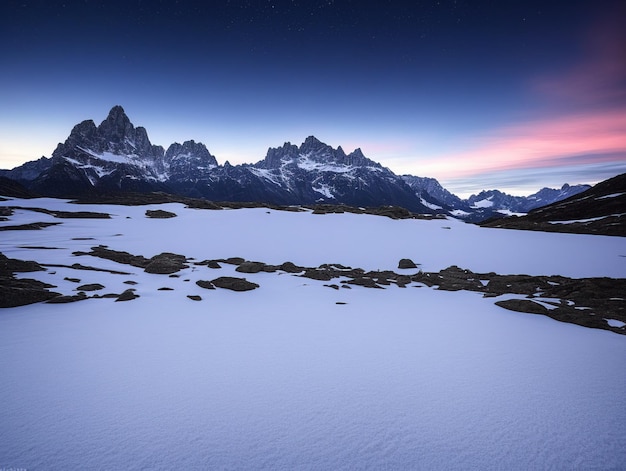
pixel 282 377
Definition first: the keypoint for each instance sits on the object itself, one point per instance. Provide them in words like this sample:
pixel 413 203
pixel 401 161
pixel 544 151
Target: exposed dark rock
pixel 340 302
pixel 73 280
pixel 335 266
pixel 20 292
pixel 105 296
pixel 234 284
pixel 9 266
pixel 37 247
pixel 68 299
pixel 250 267
pixel 78 266
pixel 5 212
pixel 210 264
pixel 319 274
pixel 127 295
pixel 289 267
pixel 522 305
pixel 406 263
pixel 66 214
pixel 165 288
pixel 455 279
pixel 363 281
pixel 130 282
pixel 117 256
pixel 333 286
pixel 90 287
pixel 233 260
pixel 194 297
pixel 9 187
pixel 33 226
pixel 205 284
pixel 159 214
pixel 166 263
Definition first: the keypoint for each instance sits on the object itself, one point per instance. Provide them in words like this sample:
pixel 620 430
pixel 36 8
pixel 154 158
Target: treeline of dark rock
pixel 599 210
pixel 583 301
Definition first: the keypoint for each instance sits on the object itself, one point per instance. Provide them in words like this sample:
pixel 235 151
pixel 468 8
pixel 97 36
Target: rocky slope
pixel 599 210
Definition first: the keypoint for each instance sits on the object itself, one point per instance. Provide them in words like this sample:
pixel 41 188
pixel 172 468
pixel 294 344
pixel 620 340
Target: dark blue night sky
pixel 508 94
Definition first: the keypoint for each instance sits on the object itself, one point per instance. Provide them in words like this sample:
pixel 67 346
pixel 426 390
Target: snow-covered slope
pixel 284 377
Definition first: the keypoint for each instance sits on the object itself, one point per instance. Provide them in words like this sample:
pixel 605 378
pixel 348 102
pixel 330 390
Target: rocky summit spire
pixel 313 144
pixel 116 127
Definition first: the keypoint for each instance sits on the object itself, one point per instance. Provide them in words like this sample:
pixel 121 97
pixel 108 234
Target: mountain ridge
pixel 118 156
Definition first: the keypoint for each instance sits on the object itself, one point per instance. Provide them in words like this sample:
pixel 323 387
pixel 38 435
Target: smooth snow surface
pixel 284 378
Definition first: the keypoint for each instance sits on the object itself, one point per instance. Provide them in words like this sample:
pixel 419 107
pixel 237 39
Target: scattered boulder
pixel 166 263
pixel 406 263
pixel 125 258
pixel 127 295
pixel 234 260
pixel 68 299
pixel 250 267
pixel 234 284
pixel 159 214
pixel 455 279
pixel 205 284
pixel 165 288
pixel 73 280
pixel 363 281
pixel 290 267
pixel 194 297
pixel 210 264
pixel 319 274
pixel 90 287
pixel 130 282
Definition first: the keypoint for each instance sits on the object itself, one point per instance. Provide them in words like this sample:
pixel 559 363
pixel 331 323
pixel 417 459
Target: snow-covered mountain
pixel 522 204
pixel 117 156
pixel 488 203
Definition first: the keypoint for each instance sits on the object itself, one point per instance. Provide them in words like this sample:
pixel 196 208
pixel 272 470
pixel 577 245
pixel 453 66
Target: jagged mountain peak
pixel 117 125
pixel 313 151
pixel 188 158
pixel 313 146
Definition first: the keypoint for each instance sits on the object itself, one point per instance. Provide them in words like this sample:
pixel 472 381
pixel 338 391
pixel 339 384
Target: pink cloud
pixel 587 123
pixel 589 138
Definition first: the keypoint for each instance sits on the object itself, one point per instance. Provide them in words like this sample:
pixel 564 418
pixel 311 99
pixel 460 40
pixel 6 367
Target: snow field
pixel 282 377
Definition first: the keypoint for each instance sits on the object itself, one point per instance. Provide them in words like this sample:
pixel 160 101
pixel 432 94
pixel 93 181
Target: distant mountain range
pixel 599 210
pixel 116 156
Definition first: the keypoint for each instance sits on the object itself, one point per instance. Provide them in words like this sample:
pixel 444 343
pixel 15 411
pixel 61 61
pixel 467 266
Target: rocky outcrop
pixel 159 214
pixel 234 284
pixel 406 263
